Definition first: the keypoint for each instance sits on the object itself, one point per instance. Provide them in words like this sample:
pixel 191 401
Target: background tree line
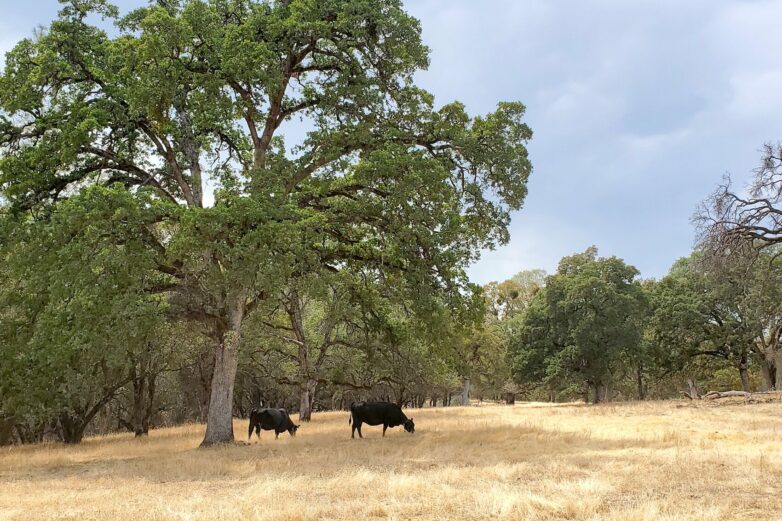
pixel 103 356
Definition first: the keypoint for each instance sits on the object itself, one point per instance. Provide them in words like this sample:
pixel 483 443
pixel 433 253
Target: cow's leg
pixel 258 431
pixel 276 434
pixel 250 431
pixel 353 431
pixel 359 430
pixel 385 426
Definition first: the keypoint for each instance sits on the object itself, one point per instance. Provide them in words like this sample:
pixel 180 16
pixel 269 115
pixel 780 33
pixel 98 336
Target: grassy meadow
pixel 635 461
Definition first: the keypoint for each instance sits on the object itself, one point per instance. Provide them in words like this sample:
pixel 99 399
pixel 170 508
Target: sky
pixel 638 109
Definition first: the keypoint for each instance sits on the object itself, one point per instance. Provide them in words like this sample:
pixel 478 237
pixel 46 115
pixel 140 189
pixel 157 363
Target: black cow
pixel 378 413
pixel 271 419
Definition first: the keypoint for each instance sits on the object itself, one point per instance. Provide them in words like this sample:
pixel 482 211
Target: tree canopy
pixel 128 128
pixel 579 329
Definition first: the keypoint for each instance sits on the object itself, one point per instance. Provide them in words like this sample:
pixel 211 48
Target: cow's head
pixel 293 429
pixel 410 426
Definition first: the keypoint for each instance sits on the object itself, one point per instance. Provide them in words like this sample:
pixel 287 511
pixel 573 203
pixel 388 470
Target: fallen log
pixel 715 395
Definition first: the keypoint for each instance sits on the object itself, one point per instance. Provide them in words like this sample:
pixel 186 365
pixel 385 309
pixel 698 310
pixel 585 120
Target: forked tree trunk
pixel 71 428
pixel 143 404
pixel 219 418
pixel 692 390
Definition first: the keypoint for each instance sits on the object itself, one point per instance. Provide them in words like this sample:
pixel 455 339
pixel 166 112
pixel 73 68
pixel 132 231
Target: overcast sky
pixel 638 109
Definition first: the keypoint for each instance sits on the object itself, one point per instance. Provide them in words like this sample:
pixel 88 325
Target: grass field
pixel 641 461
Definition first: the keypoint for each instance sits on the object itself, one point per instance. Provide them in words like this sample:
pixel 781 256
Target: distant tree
pixel 486 361
pixel 579 330
pixel 764 298
pixel 191 91
pixel 729 221
pixel 700 313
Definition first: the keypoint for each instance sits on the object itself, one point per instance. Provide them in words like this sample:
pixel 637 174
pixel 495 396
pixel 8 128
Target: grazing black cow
pixel 271 419
pixel 378 413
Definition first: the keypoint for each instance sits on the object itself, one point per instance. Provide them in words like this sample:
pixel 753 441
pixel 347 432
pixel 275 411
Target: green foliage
pixel 111 137
pixel 79 309
pixel 728 311
pixel 580 329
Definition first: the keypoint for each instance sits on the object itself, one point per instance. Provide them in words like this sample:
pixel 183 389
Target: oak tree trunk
pixel 143 403
pixel 767 379
pixel 71 428
pixel 307 396
pixel 594 391
pixel 219 418
pixel 640 383
pixel 744 374
pixel 601 392
pixel 466 391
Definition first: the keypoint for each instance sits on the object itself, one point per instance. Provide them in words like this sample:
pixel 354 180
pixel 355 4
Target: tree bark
pixel 639 378
pixel 601 392
pixel 466 391
pixel 71 428
pixel 307 396
pixel 744 374
pixel 692 390
pixel 31 433
pixel 594 391
pixel 143 403
pixel 778 370
pixel 219 418
pixel 767 379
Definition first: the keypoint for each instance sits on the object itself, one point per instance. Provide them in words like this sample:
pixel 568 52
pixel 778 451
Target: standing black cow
pixel 271 419
pixel 378 413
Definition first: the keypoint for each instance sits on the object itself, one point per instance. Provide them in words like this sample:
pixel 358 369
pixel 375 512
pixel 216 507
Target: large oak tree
pixel 183 95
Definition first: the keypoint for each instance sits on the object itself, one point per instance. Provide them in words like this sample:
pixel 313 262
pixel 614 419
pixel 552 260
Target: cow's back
pixel 377 413
pixel 268 418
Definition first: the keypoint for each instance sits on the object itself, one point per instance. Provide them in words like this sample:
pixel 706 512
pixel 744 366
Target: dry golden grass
pixel 641 461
